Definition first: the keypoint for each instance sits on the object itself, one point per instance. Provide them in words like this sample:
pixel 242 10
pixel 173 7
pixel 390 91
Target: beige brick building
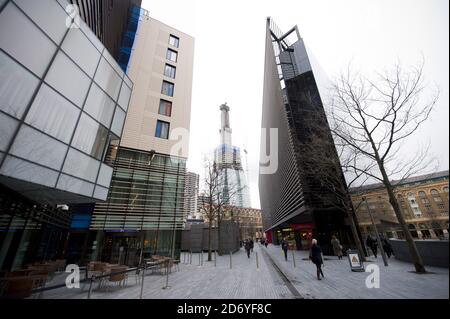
pixel 424 201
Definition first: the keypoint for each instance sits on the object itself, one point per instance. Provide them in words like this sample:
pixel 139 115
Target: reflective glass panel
pixel 119 119
pixel 100 193
pixel 53 114
pixel 175 41
pixel 165 108
pixel 81 165
pixel 17 85
pixel 39 148
pixel 8 126
pixel 68 79
pixel 170 71
pixel 172 55
pixel 81 50
pixel 75 185
pixel 27 171
pixel 22 44
pixel 104 178
pixel 48 14
pixel 90 137
pixel 100 105
pixel 167 88
pixel 108 79
pixel 124 98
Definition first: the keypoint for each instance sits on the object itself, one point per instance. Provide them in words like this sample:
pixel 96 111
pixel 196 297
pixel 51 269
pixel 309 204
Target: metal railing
pixel 140 273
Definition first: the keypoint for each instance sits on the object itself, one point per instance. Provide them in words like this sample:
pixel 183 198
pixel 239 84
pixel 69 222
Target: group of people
pixel 316 255
pixel 264 242
pixel 372 243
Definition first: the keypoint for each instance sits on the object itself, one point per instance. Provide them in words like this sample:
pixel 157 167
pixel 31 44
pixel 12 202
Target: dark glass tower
pixel 109 20
pixel 294 201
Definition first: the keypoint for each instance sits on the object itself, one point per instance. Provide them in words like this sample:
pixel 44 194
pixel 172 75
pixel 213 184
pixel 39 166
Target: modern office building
pixel 423 200
pixel 191 195
pixel 232 179
pixel 144 210
pixel 63 99
pixel 293 201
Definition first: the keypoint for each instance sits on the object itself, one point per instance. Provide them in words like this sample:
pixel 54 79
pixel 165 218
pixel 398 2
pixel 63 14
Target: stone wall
pixel 195 238
pixel 433 252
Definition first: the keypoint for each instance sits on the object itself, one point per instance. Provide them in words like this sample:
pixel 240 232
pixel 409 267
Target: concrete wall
pixel 433 252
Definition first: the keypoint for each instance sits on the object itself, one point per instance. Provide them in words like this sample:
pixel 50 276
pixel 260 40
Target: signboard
pixel 355 261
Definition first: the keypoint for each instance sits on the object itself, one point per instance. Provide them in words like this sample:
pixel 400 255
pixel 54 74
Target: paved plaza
pixel 247 281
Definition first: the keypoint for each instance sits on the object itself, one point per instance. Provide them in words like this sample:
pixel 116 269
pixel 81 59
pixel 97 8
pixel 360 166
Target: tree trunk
pixel 355 234
pixel 417 259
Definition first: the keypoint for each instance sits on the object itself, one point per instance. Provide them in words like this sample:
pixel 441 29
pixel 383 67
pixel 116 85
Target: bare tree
pixel 372 119
pixel 219 196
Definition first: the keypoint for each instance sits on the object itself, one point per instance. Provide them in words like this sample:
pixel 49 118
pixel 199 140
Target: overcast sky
pixel 229 58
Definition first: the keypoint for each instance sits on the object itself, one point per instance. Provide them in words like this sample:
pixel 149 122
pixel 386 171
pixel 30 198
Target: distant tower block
pixel 228 158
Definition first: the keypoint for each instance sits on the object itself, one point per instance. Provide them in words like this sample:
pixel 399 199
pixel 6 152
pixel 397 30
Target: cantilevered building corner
pixel 293 201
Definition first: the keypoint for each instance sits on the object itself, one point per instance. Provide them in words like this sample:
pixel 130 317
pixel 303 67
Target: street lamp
pixel 376 232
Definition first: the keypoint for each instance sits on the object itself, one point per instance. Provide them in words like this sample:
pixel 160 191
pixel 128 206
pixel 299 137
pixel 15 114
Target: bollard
pixel 231 263
pixel 90 287
pixel 142 282
pixel 293 257
pixel 167 275
pixel 257 262
pixel 202 257
pixel 190 258
pixel 215 259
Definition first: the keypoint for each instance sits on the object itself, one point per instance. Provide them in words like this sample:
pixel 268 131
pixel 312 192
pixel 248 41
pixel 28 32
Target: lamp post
pixel 376 232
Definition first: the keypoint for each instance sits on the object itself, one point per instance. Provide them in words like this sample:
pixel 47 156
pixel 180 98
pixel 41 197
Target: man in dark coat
pixel 372 244
pixel 247 247
pixel 251 245
pixel 315 254
pixel 386 246
pixel 285 247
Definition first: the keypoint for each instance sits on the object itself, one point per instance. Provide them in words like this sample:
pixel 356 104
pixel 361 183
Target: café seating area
pixel 102 269
pixel 20 283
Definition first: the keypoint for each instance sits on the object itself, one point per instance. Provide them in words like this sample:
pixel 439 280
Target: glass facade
pixel 145 202
pixel 63 98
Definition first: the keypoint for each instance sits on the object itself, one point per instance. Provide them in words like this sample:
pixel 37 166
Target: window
pixel 172 55
pixel 170 71
pixel 162 129
pixel 165 108
pixel 174 41
pixel 434 192
pixel 167 88
pixel 445 189
pixel 422 194
pixel 441 206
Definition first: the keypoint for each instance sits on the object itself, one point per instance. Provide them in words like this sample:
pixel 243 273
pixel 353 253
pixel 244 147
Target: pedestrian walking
pixel 372 244
pixel 337 247
pixel 315 254
pixel 266 243
pixel 247 247
pixel 285 247
pixel 386 246
pixel 251 245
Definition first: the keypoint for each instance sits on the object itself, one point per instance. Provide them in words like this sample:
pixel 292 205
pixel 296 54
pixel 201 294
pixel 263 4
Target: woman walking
pixel 337 248
pixel 315 254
